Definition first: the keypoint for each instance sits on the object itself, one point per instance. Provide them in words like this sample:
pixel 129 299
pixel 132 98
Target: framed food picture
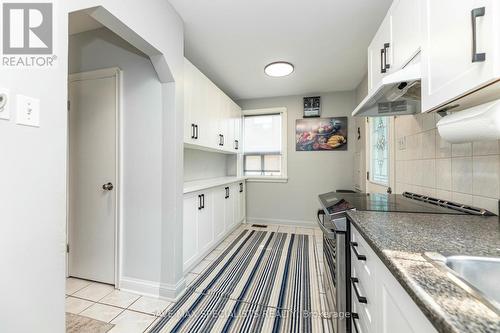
pixel 321 134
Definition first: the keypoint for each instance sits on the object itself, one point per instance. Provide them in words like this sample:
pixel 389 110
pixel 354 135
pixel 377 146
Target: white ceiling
pixel 232 40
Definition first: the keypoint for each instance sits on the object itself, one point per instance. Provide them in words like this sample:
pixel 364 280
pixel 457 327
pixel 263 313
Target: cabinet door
pixel 229 208
pixel 406 18
pixel 379 54
pixel 189 98
pixel 449 70
pixel 242 203
pixel 236 122
pixel 219 212
pixel 398 312
pixel 205 223
pixel 236 198
pixel 189 229
pixel 225 125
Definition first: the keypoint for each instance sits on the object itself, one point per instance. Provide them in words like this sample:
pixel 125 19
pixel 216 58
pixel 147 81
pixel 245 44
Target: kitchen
pixel 263 174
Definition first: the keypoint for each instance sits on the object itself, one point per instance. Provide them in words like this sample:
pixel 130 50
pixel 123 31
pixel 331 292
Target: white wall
pixel 360 147
pixel 199 164
pixel 309 173
pixel 141 148
pixel 33 173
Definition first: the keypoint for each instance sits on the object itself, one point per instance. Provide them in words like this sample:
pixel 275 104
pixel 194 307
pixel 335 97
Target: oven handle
pixel 361 299
pixel 356 253
pixel 327 233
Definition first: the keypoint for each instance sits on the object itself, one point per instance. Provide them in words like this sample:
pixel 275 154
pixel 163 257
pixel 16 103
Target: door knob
pixel 107 187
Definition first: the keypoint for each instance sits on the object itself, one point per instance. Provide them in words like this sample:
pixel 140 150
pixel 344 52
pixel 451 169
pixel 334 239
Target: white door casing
pixel 93 212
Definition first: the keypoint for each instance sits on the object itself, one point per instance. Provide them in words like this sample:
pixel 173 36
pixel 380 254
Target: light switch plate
pixel 28 111
pixel 4 104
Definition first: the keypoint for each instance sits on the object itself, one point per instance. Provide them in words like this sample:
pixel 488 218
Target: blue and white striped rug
pixel 262 282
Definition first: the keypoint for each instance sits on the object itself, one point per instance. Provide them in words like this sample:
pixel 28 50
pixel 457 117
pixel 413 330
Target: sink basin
pixel 482 273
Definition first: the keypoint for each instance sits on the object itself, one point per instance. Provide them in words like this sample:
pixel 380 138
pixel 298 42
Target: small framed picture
pixel 312 107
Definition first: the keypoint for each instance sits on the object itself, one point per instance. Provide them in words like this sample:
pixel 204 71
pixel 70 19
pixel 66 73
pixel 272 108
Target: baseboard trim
pixel 295 223
pixel 172 292
pixel 138 286
pixel 152 289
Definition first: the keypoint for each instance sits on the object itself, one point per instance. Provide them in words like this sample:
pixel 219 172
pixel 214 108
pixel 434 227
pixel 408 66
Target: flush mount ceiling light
pixel 279 69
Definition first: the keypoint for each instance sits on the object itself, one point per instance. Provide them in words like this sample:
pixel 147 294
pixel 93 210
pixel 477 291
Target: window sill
pixel 267 180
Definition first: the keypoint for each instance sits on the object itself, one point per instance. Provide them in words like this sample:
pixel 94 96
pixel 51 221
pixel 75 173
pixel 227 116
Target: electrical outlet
pixel 28 111
pixel 402 143
pixel 4 104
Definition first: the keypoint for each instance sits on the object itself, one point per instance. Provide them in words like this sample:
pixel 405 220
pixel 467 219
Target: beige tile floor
pixel 134 313
pixel 129 312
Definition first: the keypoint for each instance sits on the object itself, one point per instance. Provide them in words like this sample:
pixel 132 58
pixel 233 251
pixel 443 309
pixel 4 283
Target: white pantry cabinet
pixel 209 216
pixel 386 307
pixel 461 50
pixel 211 119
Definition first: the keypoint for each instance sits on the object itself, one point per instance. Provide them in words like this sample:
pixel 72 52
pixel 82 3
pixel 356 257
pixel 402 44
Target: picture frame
pixel 321 134
pixel 312 107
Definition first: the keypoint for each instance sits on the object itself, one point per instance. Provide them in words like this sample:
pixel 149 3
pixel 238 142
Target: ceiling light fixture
pixel 279 69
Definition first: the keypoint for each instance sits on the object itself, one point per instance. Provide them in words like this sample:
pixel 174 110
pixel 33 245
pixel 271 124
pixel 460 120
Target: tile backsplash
pixel 467 173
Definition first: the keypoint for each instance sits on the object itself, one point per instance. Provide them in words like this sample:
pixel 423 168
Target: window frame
pixel 283 178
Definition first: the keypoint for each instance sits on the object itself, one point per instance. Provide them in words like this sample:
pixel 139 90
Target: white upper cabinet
pixel 397 41
pixel 406 30
pixel 209 114
pixel 380 54
pixel 461 49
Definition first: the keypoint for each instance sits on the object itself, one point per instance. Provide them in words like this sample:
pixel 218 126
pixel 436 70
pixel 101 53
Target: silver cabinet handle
pixel 382 63
pixel 475 13
pixel 107 187
pixel 386 51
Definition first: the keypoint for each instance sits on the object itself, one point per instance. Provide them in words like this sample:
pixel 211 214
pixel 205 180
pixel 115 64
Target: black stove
pixel 335 224
pixel 336 203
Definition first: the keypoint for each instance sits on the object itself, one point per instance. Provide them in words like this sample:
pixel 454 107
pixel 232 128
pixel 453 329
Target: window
pixel 264 144
pixel 379 150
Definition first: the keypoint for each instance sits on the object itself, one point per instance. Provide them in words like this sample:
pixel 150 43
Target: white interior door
pixel 92 176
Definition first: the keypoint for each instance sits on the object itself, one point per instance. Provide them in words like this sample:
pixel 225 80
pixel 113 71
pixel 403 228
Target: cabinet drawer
pixel 364 270
pixel 362 322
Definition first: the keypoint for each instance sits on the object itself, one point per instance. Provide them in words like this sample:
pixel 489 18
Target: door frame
pixel 372 186
pixel 117 73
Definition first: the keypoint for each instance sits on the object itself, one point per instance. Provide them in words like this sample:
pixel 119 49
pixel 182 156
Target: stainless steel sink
pixel 481 273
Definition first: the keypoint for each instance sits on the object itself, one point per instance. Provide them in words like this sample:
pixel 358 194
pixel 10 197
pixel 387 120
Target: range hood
pixel 397 94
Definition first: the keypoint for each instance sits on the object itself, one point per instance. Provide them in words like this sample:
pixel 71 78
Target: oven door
pixel 334 274
pixel 329 276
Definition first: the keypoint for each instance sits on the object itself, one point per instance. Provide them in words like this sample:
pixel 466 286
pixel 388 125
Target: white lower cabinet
pixel 190 220
pixel 240 209
pixel 204 224
pixel 229 211
pixel 209 216
pixel 219 195
pixel 379 302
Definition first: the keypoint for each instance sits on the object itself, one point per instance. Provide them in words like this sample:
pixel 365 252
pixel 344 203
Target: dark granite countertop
pixel 401 239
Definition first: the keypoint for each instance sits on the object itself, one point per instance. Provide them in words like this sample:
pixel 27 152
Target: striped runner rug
pixel 262 282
